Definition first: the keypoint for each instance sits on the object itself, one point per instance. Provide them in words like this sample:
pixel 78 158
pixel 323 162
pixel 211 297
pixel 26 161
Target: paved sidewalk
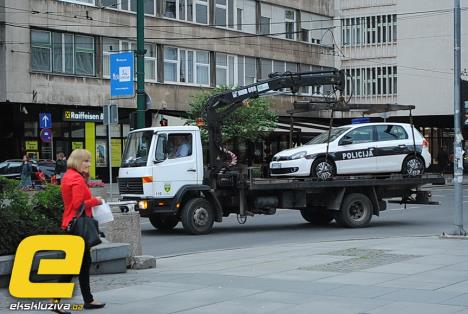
pixel 391 275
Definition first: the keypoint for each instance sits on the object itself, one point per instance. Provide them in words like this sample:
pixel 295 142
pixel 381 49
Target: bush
pixel 20 218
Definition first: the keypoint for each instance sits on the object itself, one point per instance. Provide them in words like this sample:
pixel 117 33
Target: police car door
pixel 392 147
pixel 355 151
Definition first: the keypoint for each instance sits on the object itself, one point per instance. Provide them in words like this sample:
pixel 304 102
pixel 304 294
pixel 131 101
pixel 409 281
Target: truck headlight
pixel 298 155
pixel 143 204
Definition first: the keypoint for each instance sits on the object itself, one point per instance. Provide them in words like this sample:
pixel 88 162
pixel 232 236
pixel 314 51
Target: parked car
pixel 12 168
pixel 367 148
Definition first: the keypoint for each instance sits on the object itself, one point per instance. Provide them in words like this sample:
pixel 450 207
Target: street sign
pixel 45 120
pixel 121 74
pixel 114 114
pixel 46 135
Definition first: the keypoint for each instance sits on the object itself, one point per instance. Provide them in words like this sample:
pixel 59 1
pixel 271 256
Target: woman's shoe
pixel 61 312
pixel 90 306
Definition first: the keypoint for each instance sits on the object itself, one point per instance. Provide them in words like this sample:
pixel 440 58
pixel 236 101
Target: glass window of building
pixel 186 66
pixel 265 25
pixel 130 5
pixel 266 68
pixel 170 64
pixel 225 13
pixel 186 10
pixel 30 129
pixel 250 70
pixel 290 23
pixel 77 130
pixel 88 2
pixel 62 53
pixel 225 70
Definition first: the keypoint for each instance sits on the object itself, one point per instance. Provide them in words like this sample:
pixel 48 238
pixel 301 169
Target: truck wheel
pixel 319 217
pixel 412 166
pixel 355 211
pixel 323 169
pixel 164 222
pixel 197 216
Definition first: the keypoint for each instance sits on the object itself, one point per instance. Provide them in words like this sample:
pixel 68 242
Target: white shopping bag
pixel 102 213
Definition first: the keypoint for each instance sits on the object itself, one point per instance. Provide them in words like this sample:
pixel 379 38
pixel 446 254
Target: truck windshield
pixel 137 149
pixel 322 138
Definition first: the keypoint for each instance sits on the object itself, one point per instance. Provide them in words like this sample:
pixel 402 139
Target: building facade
pixel 54 59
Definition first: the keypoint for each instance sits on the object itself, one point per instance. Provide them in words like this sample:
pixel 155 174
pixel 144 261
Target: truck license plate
pixel 275 165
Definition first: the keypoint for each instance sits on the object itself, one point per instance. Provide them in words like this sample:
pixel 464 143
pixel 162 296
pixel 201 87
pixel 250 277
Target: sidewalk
pixel 392 275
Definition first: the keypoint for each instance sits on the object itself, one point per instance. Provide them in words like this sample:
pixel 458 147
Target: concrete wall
pixel 322 7
pixel 425 56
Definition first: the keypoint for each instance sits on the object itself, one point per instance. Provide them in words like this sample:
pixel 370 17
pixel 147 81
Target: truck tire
pixel 323 169
pixel 355 211
pixel 164 222
pixel 197 216
pixel 319 217
pixel 412 166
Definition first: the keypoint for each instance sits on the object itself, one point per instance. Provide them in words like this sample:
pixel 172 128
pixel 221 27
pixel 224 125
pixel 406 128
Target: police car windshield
pixel 136 149
pixel 323 138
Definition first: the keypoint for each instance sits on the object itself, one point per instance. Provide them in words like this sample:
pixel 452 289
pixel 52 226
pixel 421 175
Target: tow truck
pixel 169 190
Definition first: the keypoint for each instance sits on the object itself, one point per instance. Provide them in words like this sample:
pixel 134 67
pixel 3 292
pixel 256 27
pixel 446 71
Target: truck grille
pixel 130 186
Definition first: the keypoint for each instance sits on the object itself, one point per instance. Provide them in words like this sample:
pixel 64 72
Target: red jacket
pixel 74 192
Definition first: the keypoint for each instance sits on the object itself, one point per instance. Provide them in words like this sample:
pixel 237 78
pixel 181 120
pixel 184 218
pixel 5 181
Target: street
pixel 287 226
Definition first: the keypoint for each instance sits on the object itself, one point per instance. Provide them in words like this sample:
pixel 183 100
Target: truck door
pixel 176 162
pixel 355 151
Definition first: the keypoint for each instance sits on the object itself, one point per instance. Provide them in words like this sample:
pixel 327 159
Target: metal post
pixel 291 130
pixel 110 149
pixel 457 143
pixel 140 54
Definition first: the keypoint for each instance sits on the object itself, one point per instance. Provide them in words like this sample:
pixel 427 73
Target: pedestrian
pixel 60 167
pixel 443 160
pixel 26 173
pixel 75 192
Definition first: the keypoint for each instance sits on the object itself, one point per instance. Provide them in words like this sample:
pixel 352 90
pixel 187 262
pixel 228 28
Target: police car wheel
pixel 197 216
pixel 164 222
pixel 323 169
pixel 317 216
pixel 355 211
pixel 413 166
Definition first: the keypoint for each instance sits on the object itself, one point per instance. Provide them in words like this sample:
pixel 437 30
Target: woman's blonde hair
pixel 77 157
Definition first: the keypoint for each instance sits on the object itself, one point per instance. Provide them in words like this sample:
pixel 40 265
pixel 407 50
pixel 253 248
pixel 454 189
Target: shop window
pixel 30 129
pixel 101 130
pixel 61 129
pixel 77 130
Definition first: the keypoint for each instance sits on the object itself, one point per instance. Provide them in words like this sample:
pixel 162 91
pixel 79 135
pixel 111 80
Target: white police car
pixel 368 148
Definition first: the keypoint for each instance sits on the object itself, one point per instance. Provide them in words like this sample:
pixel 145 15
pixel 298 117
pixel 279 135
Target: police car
pixel 367 148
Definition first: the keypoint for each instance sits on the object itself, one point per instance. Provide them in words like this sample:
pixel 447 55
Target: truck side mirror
pixel 161 149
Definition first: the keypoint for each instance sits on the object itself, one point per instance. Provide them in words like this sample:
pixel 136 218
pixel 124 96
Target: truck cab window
pixel 137 149
pixel 160 151
pixel 179 145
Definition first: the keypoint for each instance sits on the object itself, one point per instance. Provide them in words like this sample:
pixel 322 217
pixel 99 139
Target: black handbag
pixel 85 227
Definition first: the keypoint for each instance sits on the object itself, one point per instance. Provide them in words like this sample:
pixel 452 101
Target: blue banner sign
pixel 122 75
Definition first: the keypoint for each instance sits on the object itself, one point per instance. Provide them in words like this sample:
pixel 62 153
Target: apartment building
pixel 54 59
pixel 398 51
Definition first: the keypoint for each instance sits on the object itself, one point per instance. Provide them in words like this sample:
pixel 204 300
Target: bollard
pixel 126 229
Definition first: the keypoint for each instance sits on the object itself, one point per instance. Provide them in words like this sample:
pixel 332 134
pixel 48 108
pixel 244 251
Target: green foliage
pixel 20 218
pixel 249 122
pixel 49 202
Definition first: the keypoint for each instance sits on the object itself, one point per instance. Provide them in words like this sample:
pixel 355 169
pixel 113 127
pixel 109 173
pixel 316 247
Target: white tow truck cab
pixel 162 169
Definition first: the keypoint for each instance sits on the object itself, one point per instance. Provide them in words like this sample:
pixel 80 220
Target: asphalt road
pixel 287 226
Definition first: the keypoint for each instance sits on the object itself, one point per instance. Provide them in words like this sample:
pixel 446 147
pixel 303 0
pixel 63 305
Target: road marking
pixel 402 208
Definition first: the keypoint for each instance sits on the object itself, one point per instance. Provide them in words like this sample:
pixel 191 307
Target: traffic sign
pixel 45 120
pixel 46 135
pixel 121 74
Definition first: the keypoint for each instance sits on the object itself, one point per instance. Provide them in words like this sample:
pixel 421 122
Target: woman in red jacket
pixel 75 192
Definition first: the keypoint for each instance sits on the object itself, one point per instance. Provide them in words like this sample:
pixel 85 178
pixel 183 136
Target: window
pixel 110 45
pixel 187 10
pixel 130 5
pixel 290 22
pixel 225 70
pixel 88 2
pixel 179 145
pixel 379 81
pixel 370 30
pixel 305 35
pixel 62 53
pixel 391 132
pixel 266 67
pixel 265 25
pixel 360 135
pixel 247 71
pixel 186 66
pixel 224 15
pixel 41 51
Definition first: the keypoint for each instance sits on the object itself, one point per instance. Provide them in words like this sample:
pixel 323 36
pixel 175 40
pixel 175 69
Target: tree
pixel 249 122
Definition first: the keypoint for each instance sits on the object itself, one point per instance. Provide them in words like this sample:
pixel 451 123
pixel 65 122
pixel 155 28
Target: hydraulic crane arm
pixel 221 105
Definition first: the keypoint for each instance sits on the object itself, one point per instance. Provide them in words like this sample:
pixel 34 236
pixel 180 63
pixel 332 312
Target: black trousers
pixel 83 277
